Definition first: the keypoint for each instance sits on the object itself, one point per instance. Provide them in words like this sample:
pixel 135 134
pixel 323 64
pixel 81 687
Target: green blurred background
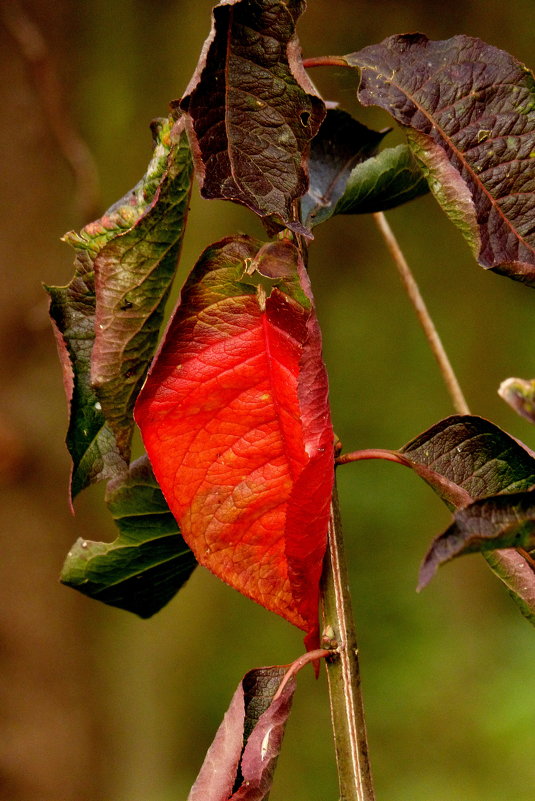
pixel 97 705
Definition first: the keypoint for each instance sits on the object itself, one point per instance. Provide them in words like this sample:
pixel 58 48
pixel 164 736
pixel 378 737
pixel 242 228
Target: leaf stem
pixel 418 303
pixel 299 664
pixel 343 673
pixel 373 453
pixel 325 61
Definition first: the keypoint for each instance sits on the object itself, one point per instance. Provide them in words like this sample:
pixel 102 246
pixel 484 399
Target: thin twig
pixel 36 53
pixel 413 292
pixel 343 673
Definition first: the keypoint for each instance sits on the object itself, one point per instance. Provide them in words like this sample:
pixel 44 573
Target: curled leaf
pixel 236 422
pixel 519 393
pixel 497 472
pixel 503 521
pixel 251 109
pixel 240 763
pixel 148 562
pixel 107 319
pixel 469 109
pixel 134 271
pixel 90 441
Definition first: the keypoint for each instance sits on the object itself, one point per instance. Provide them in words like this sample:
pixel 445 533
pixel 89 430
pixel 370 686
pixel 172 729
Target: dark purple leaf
pixel 504 521
pixel 474 454
pixel 252 110
pixel 339 145
pixel 517 571
pixel 519 393
pixel 470 113
pixel 240 763
pixel 497 472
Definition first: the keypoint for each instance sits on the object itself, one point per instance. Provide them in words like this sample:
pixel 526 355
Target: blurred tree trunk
pixel 48 747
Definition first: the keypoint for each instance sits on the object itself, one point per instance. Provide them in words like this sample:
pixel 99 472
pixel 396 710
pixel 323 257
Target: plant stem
pixel 347 711
pixel 413 292
pixel 343 673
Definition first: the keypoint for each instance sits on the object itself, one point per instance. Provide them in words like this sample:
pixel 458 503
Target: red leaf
pixel 236 422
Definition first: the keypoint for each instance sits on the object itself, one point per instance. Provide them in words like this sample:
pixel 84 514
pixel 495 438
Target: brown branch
pixel 415 297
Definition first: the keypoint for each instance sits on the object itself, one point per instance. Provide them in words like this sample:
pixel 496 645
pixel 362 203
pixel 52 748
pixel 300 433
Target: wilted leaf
pixel 470 109
pixel 252 110
pixel 383 182
pixel 235 419
pixel 90 442
pixel 148 562
pixel 340 143
pixel 519 393
pixel 504 521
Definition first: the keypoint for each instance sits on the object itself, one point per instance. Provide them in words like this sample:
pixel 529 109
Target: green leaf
pixel 90 441
pixel 469 110
pixel 383 182
pixel 149 561
pixel 134 271
pixel 252 110
pixel 519 393
pixel 340 143
pixel 107 319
